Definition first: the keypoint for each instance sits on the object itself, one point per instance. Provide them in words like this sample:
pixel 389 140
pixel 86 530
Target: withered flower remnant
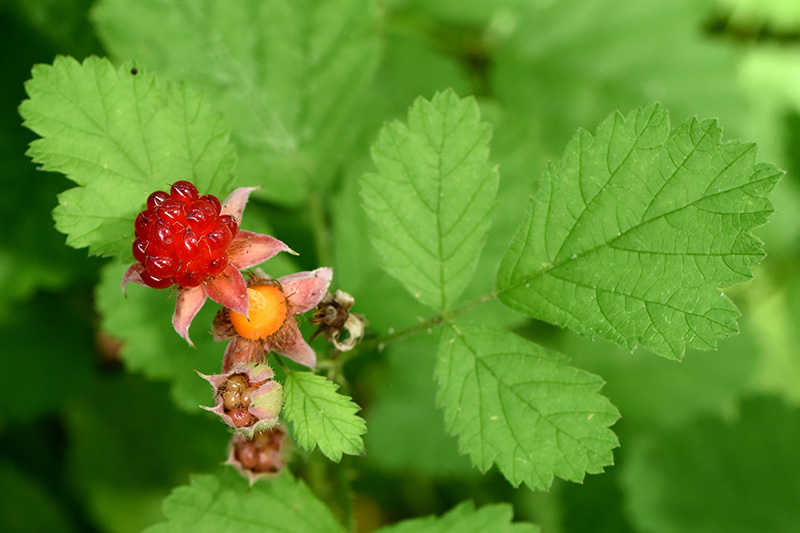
pixel 333 317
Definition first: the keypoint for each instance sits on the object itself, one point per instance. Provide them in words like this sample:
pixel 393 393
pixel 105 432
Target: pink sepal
pixel 235 202
pixel 228 289
pixel 188 304
pixel 306 289
pixel 249 249
pixel 295 347
pixel 134 275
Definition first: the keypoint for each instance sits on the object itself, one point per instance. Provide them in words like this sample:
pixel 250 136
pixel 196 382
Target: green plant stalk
pixel 319 229
pixel 424 325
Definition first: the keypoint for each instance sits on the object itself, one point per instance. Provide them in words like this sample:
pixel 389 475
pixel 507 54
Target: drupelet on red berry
pixel 194 242
pixel 182 238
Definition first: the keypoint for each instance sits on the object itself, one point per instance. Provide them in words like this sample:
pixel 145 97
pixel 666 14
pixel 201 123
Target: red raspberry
pixel 181 238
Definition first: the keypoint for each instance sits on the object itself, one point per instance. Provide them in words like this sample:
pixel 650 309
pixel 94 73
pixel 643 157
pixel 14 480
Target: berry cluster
pixel 181 238
pixel 236 394
pixel 259 455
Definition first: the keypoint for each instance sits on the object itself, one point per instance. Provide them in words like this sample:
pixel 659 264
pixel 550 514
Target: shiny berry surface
pixel 181 238
pixel 267 313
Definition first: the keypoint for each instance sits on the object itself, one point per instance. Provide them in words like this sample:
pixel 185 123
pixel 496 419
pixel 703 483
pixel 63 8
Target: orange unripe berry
pixel 267 306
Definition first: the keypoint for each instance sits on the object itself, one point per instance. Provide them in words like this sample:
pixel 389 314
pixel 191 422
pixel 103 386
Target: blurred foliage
pixel 89 444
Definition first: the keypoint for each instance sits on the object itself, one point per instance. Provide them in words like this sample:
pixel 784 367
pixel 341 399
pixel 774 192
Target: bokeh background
pixel 93 435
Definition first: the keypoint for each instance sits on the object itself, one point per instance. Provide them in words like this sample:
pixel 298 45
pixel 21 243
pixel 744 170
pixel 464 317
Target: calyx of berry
pixel 226 287
pixel 182 238
pixel 273 325
pixel 246 398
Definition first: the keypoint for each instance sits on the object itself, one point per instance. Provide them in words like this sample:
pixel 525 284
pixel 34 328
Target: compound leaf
pixel 119 134
pixel 431 200
pixel 631 235
pixel 321 416
pixel 522 407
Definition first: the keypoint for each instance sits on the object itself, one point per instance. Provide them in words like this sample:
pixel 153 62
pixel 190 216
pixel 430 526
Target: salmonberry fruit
pixel 267 313
pixel 181 238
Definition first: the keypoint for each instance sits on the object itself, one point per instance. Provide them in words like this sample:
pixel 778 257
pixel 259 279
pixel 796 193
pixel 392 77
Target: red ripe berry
pixel 170 211
pixel 191 275
pixel 161 234
pixel 230 222
pixel 183 190
pixel 181 238
pixel 219 239
pixel 156 199
pixel 156 283
pixel 212 200
pixel 143 222
pixel 140 249
pixel 201 216
pixel 162 266
pixel 187 245
pixel 216 266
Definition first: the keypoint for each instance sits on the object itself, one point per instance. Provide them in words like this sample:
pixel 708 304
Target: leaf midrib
pixel 584 253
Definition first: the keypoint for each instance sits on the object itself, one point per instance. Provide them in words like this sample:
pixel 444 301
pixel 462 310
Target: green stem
pixel 320 230
pixel 379 341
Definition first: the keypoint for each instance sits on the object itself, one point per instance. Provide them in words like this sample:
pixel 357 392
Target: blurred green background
pixel 709 444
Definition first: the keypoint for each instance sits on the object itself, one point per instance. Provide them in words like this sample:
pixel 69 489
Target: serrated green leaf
pixel 631 235
pixel 522 407
pixel 210 504
pixel 321 416
pixel 718 476
pixel 289 75
pixel 431 201
pixel 29 252
pixel 356 263
pixel 119 136
pixel 464 518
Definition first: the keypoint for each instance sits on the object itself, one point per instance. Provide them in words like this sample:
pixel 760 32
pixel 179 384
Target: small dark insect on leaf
pixel 134 71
